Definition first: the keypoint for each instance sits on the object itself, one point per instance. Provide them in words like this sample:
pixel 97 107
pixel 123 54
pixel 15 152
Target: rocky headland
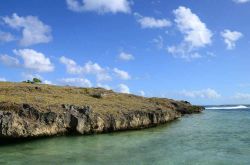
pixel 35 110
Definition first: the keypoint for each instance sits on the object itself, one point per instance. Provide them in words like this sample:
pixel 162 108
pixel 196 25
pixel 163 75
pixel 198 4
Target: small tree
pixel 37 81
pixel 34 81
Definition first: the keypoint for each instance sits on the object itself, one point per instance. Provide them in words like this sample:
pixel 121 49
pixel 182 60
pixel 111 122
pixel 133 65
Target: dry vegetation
pixel 48 97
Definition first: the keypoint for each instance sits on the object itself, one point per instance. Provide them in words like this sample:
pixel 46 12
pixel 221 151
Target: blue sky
pixel 181 49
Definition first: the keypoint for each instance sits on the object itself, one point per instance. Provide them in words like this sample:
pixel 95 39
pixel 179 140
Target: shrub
pixel 97 95
pixel 34 81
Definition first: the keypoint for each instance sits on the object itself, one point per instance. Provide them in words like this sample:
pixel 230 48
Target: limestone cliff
pixel 28 110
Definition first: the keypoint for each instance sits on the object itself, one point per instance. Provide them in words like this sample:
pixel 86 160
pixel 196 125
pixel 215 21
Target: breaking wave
pixel 229 107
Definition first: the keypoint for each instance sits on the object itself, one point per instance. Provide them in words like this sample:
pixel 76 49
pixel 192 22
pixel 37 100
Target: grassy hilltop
pixel 48 97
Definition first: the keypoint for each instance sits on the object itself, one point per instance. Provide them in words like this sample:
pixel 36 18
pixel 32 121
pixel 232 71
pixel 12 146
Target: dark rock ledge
pixel 25 121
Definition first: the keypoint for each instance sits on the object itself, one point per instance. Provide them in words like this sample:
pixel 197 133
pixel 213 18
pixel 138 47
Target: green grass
pixel 48 97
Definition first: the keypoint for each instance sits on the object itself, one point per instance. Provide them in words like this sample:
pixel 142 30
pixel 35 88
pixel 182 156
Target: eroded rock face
pixel 51 110
pixel 29 122
pixel 83 120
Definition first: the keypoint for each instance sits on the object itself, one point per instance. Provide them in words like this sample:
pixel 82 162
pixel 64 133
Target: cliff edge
pixel 33 110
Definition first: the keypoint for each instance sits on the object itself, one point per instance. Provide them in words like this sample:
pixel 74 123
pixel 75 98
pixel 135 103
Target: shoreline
pixel 110 112
pixel 79 124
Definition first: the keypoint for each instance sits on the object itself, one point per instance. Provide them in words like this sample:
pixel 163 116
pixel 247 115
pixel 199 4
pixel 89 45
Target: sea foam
pixel 229 107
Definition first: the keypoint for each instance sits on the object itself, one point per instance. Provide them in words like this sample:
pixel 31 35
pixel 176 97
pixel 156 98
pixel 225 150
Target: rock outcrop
pixel 29 122
pixel 21 120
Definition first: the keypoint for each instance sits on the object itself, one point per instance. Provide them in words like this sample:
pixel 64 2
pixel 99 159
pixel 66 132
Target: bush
pixel 97 95
pixel 37 81
pixel 34 81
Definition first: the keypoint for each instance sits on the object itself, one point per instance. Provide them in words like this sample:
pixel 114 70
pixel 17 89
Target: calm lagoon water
pixel 215 137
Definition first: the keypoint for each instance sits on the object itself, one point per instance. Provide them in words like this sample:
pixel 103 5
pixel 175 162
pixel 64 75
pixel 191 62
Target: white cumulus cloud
pixel 231 37
pixel 142 93
pixel 196 34
pixel 89 68
pixel 47 82
pixel 34 60
pixel 126 56
pixel 96 69
pixel 6 37
pixel 123 88
pixel 2 79
pixel 151 22
pixel 71 66
pixel 9 60
pixel 122 74
pixel 99 6
pixel 183 51
pixel 76 82
pixel 195 31
pixel 34 31
pixel 205 93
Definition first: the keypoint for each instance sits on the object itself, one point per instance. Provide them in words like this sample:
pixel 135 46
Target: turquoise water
pixel 215 137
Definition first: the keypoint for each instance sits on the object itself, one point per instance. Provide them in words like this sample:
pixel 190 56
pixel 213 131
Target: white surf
pixel 229 107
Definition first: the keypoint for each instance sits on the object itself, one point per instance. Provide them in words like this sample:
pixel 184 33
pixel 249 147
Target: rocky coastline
pixel 28 120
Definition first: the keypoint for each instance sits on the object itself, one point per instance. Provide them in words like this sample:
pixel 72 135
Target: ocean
pixel 218 136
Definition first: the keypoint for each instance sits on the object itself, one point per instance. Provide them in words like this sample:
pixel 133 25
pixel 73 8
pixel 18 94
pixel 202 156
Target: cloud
pixel 142 93
pixel 126 56
pixel 123 88
pixel 196 34
pixel 159 42
pixel 151 22
pixel 2 79
pixel 76 82
pixel 34 60
pixel 96 69
pixel 6 37
pixel 241 1
pixel 89 68
pixel 47 82
pixel 205 94
pixel 71 66
pixel 34 31
pixel 195 31
pixel 122 74
pixel 99 6
pixel 183 51
pixel 9 60
pixel 230 38
pixel 242 96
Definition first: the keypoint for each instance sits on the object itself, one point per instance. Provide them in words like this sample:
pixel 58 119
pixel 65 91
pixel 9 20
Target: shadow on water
pixel 15 141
